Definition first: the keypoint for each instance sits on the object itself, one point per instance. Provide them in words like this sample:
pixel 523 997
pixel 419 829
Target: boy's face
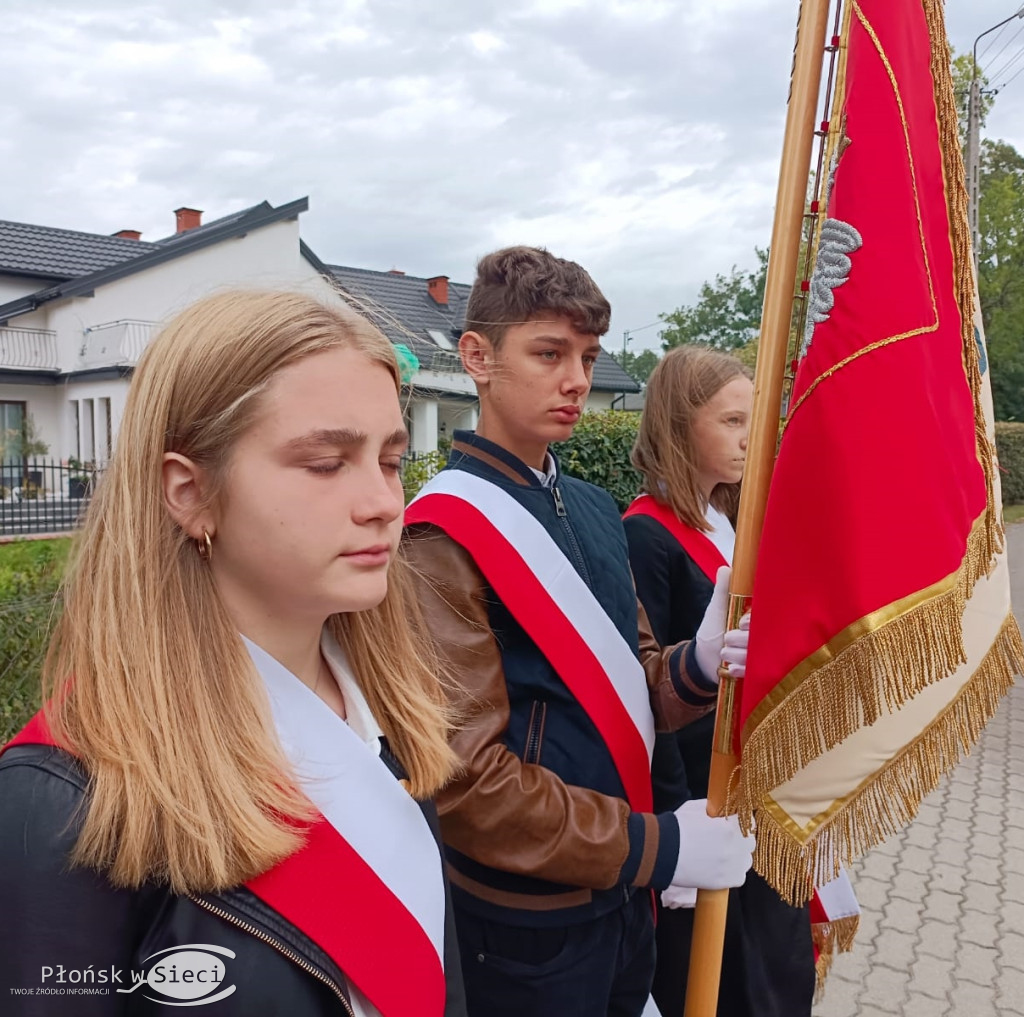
pixel 533 387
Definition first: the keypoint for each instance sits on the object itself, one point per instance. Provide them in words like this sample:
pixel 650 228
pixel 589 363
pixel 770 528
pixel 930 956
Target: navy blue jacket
pixel 537 828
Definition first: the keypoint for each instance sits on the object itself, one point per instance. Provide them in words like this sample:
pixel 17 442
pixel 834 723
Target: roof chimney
pixel 395 271
pixel 187 219
pixel 128 234
pixel 438 289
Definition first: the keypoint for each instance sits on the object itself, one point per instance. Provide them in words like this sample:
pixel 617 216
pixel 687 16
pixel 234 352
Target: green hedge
pixel 1010 446
pixel 30 573
pixel 416 472
pixel 598 452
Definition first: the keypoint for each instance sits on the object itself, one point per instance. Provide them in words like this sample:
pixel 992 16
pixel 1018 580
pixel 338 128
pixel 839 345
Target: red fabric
pixel 877 482
pixel 818 917
pixel 534 609
pixel 332 895
pixel 696 544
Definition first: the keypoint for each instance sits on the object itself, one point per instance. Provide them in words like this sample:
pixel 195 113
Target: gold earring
pixel 204 546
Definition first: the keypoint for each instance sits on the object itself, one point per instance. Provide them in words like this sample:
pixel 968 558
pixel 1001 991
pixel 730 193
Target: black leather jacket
pixel 78 930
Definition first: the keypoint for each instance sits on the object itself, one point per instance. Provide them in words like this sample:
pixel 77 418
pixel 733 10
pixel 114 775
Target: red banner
pixel 881 523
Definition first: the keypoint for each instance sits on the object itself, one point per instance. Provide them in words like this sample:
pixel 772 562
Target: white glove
pixel 713 852
pixel 679 897
pixel 734 648
pixel 711 634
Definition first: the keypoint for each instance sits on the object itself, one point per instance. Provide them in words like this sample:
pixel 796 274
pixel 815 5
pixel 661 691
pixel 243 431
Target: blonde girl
pixel 223 800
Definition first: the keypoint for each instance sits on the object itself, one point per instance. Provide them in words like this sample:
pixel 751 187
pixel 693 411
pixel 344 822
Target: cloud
pixel 640 137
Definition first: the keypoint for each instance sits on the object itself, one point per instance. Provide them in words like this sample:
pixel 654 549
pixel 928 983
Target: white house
pixel 77 310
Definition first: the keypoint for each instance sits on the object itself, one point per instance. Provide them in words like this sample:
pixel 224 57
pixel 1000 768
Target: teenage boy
pixel 549 829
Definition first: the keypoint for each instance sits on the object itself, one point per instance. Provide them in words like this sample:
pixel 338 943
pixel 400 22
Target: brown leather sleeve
pixel 677 697
pixel 510 815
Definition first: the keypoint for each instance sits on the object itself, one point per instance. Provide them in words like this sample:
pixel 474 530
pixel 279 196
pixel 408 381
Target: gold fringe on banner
pixel 830 938
pixel 890 798
pixel 878 663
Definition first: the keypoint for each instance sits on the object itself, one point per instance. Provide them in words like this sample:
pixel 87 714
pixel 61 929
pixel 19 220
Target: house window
pixel 440 338
pixel 12 431
pixel 106 438
pixel 87 424
pixel 76 427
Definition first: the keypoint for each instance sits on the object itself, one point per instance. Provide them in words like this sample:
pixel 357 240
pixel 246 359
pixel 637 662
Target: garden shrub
pixel 30 574
pixel 418 469
pixel 1010 446
pixel 598 452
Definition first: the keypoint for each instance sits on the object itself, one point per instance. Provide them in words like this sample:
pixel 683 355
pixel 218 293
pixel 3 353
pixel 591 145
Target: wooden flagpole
pixel 808 58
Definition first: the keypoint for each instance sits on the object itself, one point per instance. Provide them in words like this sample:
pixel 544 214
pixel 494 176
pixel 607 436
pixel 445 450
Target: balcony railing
pixel 443 362
pixel 116 342
pixel 28 349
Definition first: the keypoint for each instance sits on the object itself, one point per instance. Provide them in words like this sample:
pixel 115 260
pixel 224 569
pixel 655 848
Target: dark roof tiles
pixel 45 252
pixel 400 306
pixel 48 253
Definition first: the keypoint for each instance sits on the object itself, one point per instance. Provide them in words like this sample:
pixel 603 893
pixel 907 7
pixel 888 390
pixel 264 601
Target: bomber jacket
pixel 536 826
pixel 73 920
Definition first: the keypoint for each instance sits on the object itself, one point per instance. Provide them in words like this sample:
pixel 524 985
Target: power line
pixel 642 327
pixel 991 42
pixel 1008 65
pixel 1019 69
pixel 1007 43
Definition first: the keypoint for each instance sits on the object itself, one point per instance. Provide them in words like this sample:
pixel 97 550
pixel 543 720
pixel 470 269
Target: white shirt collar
pixel 357 711
pixel 547 476
pixel 722 535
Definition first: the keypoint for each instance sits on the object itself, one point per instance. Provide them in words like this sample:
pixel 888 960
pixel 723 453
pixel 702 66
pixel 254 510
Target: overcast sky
pixel 639 137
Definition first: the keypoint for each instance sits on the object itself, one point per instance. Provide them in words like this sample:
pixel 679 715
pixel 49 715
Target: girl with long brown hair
pixel 691 448
pixel 223 799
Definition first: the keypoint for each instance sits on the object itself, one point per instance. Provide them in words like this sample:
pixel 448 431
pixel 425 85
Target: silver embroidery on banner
pixel 836 242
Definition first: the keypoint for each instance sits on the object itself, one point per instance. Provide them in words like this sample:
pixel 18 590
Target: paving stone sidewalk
pixel 942 929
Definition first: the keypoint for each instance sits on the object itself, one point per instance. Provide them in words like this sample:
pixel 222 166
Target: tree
pixel 727 314
pixel 962 67
pixel 1001 272
pixel 637 365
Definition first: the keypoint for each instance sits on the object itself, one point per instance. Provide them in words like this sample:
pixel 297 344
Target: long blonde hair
pixel 147 679
pixel 685 379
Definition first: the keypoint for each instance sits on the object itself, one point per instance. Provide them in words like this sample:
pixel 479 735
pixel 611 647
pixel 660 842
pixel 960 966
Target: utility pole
pixel 973 155
pixel 625 344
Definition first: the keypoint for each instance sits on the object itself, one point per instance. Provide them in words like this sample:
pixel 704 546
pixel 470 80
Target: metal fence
pixel 44 496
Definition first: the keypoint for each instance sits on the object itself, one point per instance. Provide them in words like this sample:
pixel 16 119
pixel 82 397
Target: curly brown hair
pixel 516 284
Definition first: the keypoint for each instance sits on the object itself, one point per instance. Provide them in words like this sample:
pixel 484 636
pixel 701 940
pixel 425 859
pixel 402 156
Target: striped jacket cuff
pixel 688 681
pixel 653 850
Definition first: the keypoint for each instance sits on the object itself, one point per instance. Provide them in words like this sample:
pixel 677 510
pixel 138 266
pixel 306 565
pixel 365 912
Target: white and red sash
pixel 558 611
pixel 697 544
pixel 834 910
pixel 367 885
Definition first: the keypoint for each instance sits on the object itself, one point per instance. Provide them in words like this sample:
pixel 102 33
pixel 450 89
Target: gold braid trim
pixel 831 938
pixel 963 256
pixel 879 670
pixel 890 798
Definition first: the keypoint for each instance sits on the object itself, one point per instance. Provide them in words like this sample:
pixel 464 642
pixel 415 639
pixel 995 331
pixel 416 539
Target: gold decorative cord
pixel 963 254
pixel 923 329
